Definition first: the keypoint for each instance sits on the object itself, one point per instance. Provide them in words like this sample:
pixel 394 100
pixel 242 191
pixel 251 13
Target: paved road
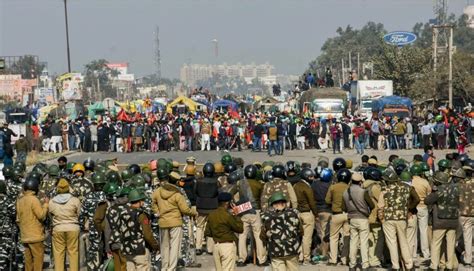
pixel 207 263
pixel 249 156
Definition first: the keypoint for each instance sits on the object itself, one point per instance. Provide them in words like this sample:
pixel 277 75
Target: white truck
pixel 369 90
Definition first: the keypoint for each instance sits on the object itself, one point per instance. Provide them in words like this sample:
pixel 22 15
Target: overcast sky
pixel 285 33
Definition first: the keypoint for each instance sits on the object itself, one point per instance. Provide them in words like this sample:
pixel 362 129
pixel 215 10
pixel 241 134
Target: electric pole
pixel 67 38
pixel 450 72
pixel 157 53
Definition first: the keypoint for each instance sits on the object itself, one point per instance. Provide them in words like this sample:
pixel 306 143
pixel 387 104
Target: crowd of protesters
pixel 274 133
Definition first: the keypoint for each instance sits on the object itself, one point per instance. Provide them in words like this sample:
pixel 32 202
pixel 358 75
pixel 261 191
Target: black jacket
pixel 206 195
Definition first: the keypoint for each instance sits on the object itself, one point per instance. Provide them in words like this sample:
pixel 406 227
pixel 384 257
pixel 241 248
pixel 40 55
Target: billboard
pixel 71 90
pixel 11 85
pixel 122 68
pixel 44 95
pixel 126 77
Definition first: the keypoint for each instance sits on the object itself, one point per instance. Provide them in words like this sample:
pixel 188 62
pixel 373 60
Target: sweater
pixel 65 209
pixel 357 203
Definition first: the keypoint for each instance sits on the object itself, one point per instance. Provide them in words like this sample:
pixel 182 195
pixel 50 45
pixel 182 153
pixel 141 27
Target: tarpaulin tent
pixel 225 104
pixel 122 116
pixel 95 109
pixel 45 110
pixel 183 101
pixel 158 107
pixel 132 106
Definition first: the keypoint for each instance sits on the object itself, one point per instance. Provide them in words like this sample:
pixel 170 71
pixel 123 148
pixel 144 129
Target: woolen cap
pixel 63 186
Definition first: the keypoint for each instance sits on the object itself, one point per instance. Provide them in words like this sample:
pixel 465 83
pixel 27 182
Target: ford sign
pixel 399 38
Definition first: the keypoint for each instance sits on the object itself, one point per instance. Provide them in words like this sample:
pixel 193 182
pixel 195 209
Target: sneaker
pixel 198 252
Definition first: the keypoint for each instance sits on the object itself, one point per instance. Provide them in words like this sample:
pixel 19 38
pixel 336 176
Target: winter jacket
pixel 64 209
pixel 170 205
pixel 320 190
pixel 437 201
pixel 30 215
pixel 55 129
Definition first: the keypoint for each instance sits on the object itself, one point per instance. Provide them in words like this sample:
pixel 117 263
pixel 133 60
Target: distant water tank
pixel 469 11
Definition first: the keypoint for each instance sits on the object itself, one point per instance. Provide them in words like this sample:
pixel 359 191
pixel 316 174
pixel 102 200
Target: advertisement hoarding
pixel 122 68
pixel 10 85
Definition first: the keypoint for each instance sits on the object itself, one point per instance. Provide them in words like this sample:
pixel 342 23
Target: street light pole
pixel 67 38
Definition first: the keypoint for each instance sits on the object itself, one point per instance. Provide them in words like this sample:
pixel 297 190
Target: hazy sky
pixel 285 33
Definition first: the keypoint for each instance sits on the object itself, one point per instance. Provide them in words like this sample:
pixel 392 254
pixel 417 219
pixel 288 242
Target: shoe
pixel 352 269
pixel 241 264
pixel 194 265
pixel 331 264
pixel 426 262
pixel 198 252
pixel 263 264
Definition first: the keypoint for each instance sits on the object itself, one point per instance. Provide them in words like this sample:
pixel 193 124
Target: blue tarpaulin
pixel 158 107
pixel 392 101
pixel 225 103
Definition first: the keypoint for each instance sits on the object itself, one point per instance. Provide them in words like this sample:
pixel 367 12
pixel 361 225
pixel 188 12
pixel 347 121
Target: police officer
pixel 89 205
pixel 249 191
pixel 48 184
pixel 307 211
pixel 30 217
pixel 7 218
pixel 281 232
pixel 113 214
pixel 444 165
pixel 206 202
pixel 292 172
pixel 139 237
pixel 339 222
pixel 466 210
pixel 320 186
pixel 357 203
pixel 222 227
pixel 278 183
pixel 445 202
pixel 14 186
pixel 81 185
pixel 225 185
pixel 394 202
pixel 372 184
pixel 423 189
pixel 170 205
pixel 89 166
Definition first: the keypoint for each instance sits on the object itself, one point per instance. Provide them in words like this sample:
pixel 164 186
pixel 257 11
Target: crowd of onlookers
pixel 272 132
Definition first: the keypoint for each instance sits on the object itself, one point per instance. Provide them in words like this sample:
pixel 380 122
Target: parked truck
pixel 370 90
pixel 324 102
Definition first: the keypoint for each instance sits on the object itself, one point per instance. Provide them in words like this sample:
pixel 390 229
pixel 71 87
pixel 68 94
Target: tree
pixel 402 65
pixel 28 66
pixel 366 41
pixel 97 76
pixel 153 80
pixel 463 36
